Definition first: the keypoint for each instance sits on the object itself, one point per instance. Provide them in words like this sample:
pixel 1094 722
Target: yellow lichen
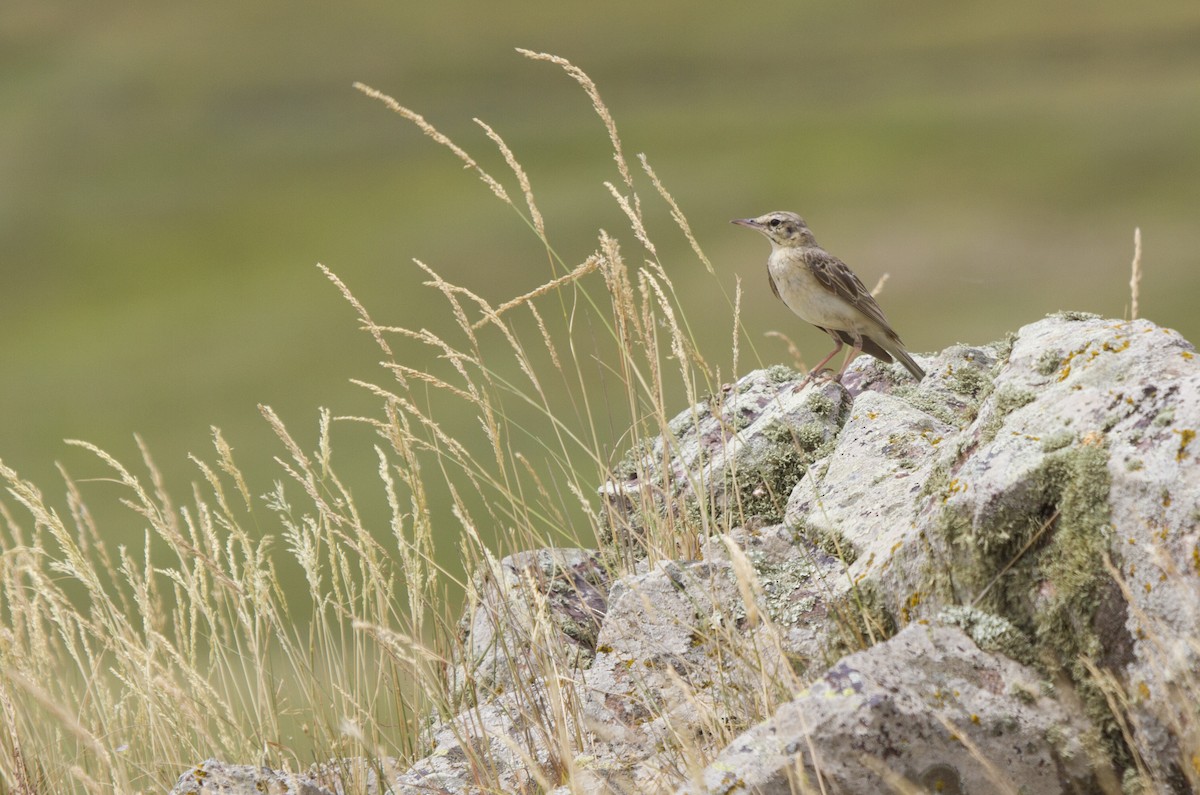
pixel 1116 347
pixel 1185 438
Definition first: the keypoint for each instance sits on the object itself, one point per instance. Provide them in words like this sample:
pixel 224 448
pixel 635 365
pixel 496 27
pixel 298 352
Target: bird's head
pixel 783 229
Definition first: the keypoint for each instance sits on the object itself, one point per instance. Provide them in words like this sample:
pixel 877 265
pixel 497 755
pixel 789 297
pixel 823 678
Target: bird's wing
pixel 837 276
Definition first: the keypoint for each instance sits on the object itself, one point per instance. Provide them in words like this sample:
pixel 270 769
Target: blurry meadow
pixel 170 176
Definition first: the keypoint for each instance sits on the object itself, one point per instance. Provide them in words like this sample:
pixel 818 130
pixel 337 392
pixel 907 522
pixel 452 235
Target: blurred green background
pixel 170 173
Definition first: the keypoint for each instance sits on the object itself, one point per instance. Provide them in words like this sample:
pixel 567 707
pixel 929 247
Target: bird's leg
pixel 854 352
pixel 822 363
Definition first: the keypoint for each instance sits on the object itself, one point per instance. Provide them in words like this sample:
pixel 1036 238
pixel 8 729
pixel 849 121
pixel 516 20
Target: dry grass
pixel 120 668
pixel 1135 279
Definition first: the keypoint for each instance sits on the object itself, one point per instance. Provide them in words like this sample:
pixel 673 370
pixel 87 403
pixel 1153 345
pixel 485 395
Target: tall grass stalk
pixel 119 668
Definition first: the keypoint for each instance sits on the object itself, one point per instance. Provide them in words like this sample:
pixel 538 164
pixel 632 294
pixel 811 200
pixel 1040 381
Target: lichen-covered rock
pixel 211 777
pixel 928 709
pixel 1039 496
pixel 677 653
pixel 529 606
pixel 509 744
pixel 861 501
pixel 1072 507
pixel 733 458
pixel 798 585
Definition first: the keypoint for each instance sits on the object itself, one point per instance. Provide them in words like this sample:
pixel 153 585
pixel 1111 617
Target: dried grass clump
pixel 119 668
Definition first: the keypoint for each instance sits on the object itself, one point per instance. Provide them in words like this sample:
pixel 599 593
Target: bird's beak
pixel 749 223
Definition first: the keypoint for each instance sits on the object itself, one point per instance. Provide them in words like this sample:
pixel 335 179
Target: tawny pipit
pixel 822 290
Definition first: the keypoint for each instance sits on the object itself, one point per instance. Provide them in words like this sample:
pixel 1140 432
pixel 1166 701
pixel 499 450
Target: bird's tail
pixel 906 360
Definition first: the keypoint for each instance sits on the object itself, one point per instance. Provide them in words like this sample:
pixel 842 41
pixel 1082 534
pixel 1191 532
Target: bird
pixel 823 291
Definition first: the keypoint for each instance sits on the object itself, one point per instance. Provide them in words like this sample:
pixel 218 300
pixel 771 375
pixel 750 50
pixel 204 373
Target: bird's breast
pixel 808 297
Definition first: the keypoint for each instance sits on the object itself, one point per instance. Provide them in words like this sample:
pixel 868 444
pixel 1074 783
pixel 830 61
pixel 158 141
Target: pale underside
pixel 830 296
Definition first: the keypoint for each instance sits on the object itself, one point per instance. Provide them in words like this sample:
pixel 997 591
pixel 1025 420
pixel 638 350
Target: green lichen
pixel 628 467
pixel 1024 693
pixel 819 405
pixel 760 484
pixel 861 621
pixel 967 381
pixel 990 632
pixel 777 433
pixel 936 483
pixel 970 374
pixel 1164 418
pixel 1074 561
pixel 780 582
pixel 762 490
pixel 829 541
pixel 1057 441
pixel 1060 512
pixel 810 436
pixel 781 374
pixel 1007 400
pixel 1003 348
pixel 1037 560
pixel 1010 398
pixel 1072 316
pixel 1048 363
pixel 1134 783
pixel 932 404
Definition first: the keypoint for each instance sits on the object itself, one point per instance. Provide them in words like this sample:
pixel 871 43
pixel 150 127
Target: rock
pixel 1069 508
pixel 541 602
pixel 738 453
pixel 677 651
pixel 926 707
pixel 1011 546
pixel 509 744
pixel 211 777
pixel 798 584
pixel 1085 435
pixel 862 500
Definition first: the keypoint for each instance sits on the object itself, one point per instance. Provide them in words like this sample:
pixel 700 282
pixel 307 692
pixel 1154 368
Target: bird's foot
pixel 821 376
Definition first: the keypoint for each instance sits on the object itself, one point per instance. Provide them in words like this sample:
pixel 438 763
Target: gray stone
pixel 510 744
pixel 731 460
pixel 212 777
pixel 1028 513
pixel 546 602
pixel 678 651
pixel 927 708
pixel 862 501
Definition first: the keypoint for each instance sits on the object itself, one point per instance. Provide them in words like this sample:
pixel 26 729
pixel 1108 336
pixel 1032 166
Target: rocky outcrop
pixel 928 707
pixel 212 776
pixel 525 611
pixel 985 582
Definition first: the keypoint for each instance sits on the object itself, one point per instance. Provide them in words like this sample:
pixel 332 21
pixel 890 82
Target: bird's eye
pixel 773 223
